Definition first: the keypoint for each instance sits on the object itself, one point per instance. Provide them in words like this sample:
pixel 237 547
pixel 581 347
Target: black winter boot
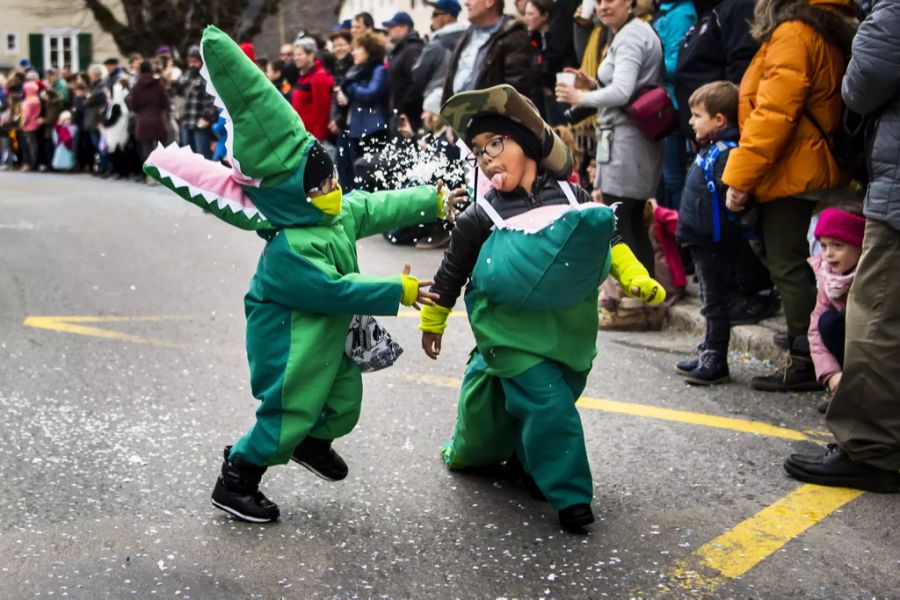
pixel 576 517
pixel 318 456
pixel 712 369
pixel 237 492
pixel 686 366
pixel 799 375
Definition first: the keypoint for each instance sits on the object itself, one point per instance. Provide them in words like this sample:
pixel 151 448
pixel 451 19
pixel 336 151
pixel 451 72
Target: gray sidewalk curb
pixel 754 340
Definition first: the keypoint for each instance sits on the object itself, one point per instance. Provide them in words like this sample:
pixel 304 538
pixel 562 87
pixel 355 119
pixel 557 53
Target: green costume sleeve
pixel 378 212
pixel 311 283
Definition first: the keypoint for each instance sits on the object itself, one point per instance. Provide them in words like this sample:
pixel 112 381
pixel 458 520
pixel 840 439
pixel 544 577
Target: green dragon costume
pixel 307 284
pixel 534 259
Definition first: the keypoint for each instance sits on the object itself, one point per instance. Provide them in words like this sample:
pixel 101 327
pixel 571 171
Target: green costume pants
pixel 284 419
pixel 532 414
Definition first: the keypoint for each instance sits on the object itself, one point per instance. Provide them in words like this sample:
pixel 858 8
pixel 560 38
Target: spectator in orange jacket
pixel 791 89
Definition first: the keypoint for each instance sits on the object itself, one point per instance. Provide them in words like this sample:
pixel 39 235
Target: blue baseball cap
pixel 401 18
pixel 451 7
pixel 342 26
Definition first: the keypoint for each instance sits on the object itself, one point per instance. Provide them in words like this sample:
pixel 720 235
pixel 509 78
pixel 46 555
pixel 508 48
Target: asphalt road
pixel 113 425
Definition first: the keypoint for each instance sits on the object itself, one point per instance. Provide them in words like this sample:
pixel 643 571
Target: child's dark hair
pixel 718 97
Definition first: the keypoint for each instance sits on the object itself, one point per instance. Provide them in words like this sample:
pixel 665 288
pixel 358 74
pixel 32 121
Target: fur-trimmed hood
pixel 835 20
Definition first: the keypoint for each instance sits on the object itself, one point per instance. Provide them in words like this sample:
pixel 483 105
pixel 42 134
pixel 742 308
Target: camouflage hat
pixel 504 100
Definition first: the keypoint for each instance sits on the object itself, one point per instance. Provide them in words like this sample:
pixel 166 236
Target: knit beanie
pixel 841 225
pixel 500 125
pixel 319 167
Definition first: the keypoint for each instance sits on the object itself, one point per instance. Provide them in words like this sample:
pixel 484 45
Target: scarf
pixel 836 285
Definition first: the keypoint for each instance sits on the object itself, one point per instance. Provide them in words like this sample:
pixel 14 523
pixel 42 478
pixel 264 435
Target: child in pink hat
pixel 841 235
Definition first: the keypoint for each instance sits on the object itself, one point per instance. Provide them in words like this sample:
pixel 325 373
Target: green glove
pixel 629 272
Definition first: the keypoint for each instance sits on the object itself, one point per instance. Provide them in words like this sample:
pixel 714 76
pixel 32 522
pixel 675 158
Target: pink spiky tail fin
pixel 210 185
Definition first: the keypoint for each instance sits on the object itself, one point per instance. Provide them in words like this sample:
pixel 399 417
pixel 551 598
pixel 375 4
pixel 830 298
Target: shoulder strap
pixel 491 212
pixel 708 164
pixel 566 187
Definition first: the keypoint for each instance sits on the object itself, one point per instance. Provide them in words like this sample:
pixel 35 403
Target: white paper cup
pixel 566 78
pixel 587 9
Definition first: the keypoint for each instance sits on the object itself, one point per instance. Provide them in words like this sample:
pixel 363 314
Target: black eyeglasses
pixel 437 13
pixel 493 149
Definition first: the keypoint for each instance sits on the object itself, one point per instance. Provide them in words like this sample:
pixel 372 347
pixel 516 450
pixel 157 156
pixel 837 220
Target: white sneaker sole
pixel 240 515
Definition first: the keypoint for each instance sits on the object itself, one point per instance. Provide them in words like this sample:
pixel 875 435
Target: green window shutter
pixel 85 51
pixel 36 51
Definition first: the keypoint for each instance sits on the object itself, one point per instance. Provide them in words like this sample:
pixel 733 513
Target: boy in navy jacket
pixel 703 225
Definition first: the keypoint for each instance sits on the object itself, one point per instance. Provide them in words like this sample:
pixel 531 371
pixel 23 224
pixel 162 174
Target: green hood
pixel 266 144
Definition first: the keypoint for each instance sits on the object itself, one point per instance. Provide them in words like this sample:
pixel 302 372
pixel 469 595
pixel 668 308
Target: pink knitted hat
pixel 841 225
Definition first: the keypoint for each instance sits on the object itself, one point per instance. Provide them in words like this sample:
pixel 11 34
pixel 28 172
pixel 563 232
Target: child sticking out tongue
pixel 497 180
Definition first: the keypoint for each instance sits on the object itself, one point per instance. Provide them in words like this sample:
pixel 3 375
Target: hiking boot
pixel 237 492
pixel 834 467
pixel 439 239
pixel 576 517
pixel 318 456
pixel 782 340
pixel 750 310
pixel 686 366
pixel 711 370
pixel 798 375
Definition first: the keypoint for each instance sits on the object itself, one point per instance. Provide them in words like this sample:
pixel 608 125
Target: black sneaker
pixel 515 472
pixel 237 492
pixel 798 375
pixel 750 310
pixel 318 456
pixel 834 467
pixel 576 517
pixel 712 369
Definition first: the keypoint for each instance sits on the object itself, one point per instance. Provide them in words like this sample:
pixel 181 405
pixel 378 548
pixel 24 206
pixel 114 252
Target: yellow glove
pixel 434 318
pixel 410 290
pixel 629 272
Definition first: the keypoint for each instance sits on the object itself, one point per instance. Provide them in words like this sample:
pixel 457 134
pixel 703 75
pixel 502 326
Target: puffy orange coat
pixel 781 152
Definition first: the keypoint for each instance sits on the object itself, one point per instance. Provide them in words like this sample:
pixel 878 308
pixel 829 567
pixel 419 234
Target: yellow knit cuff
pixel 442 201
pixel 629 272
pixel 434 318
pixel 410 290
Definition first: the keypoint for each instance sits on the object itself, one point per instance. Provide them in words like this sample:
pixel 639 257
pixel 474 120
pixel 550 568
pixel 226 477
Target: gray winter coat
pixel 429 71
pixel 872 85
pixel 633 165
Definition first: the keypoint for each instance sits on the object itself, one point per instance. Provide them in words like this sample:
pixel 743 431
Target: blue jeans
pixel 674 172
pixel 198 140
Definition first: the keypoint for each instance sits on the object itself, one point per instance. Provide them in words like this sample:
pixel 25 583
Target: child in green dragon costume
pixel 534 251
pixel 307 284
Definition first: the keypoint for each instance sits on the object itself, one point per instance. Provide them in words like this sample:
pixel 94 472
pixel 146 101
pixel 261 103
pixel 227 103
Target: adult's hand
pixel 735 200
pixel 568 94
pixel 583 81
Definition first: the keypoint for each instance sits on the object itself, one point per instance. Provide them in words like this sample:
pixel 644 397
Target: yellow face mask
pixel 329 203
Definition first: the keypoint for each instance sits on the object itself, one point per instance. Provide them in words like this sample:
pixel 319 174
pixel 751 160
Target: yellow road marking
pixel 740 549
pixel 70 325
pixel 653 412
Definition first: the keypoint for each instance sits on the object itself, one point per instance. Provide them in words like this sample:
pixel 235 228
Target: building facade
pixel 51 34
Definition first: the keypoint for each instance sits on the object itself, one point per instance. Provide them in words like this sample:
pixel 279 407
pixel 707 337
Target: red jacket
pixel 311 99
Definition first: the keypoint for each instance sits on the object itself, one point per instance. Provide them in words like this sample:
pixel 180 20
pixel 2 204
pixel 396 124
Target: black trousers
pixel 630 225
pixel 713 263
pixel 832 328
